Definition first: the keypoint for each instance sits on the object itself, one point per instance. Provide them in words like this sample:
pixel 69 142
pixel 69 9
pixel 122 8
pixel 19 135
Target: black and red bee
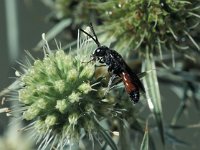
pixel 117 67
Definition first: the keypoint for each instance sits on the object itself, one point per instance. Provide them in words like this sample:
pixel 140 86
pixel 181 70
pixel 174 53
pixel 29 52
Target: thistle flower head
pixel 155 25
pixel 60 97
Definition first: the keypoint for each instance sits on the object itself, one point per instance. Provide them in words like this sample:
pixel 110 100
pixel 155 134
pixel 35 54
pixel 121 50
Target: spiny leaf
pixel 175 141
pixel 181 107
pixel 108 139
pixel 153 92
pixel 143 74
pixel 124 138
pixel 145 141
pixel 105 135
pixel 176 127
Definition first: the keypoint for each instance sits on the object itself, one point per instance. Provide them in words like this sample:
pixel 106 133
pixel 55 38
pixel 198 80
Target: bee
pixel 117 67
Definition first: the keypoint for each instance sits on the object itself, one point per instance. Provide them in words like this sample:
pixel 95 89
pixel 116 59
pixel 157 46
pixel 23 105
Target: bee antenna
pixel 94 39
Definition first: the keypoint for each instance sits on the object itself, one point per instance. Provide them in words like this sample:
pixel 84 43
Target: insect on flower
pixel 117 67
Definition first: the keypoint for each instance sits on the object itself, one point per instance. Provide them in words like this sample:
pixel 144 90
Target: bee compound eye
pixel 98 50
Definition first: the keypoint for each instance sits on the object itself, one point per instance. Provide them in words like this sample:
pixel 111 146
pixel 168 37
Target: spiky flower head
pixel 156 25
pixel 60 97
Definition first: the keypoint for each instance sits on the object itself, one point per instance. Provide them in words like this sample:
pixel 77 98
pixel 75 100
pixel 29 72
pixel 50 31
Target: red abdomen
pixel 131 88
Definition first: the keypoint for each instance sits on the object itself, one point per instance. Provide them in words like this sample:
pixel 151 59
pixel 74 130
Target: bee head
pixel 100 51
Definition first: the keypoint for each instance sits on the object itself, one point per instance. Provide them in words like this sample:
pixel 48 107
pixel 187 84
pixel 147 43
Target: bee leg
pixel 115 83
pixel 99 66
pixel 112 78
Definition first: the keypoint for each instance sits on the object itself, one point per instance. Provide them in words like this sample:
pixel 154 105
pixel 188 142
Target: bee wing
pixel 134 77
pixel 120 61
